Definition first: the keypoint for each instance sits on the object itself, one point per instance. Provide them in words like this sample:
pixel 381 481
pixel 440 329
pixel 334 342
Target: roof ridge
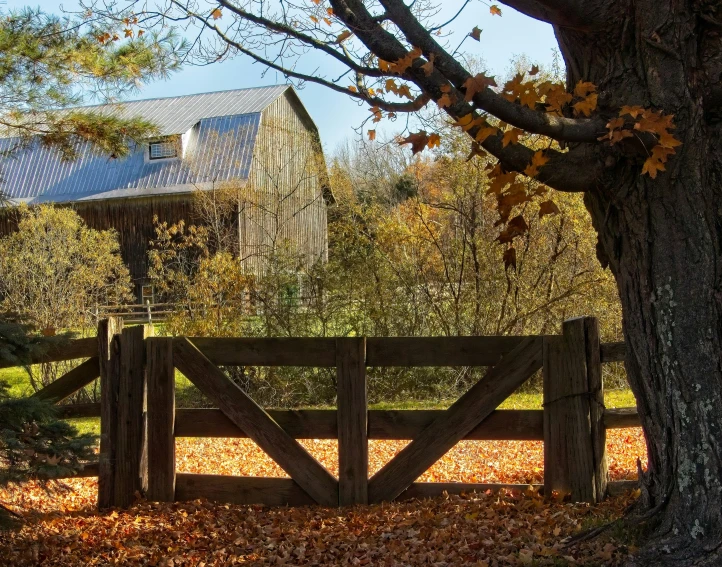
pixel 287 85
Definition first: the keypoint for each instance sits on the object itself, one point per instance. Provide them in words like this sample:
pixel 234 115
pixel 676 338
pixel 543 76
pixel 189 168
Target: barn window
pixel 163 149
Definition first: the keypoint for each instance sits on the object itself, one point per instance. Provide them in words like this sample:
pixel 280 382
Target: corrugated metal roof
pixel 218 135
pixel 176 115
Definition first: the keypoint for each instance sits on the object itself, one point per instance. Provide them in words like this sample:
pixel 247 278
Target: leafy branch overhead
pixel 48 64
pixel 395 58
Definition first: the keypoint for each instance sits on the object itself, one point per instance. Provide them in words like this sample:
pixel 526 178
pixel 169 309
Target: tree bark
pixel 662 239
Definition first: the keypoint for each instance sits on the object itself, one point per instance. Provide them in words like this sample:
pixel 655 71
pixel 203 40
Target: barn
pixel 261 141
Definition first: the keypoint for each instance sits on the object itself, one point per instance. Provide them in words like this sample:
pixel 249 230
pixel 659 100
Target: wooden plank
pixel 613 352
pixel 130 451
pixel 109 359
pixel 259 426
pixel 241 490
pixel 420 490
pixel 618 418
pixel 465 414
pixel 72 411
pixel 568 447
pixel 89 470
pixel 516 425
pixel 69 350
pixel 161 419
pixel 596 407
pixel 353 456
pixel 311 351
pixel 71 381
pixel 439 351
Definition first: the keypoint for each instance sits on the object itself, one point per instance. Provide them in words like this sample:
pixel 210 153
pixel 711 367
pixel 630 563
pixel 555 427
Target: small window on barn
pixel 163 149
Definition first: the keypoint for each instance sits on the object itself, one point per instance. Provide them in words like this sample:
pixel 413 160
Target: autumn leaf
pixel 557 98
pixel 476 150
pixel 390 86
pixel 538 160
pixel 476 33
pixel 418 141
pixel 372 135
pixel 534 70
pixel 510 258
pixel 434 141
pixel 343 36
pixel 445 100
pixel 128 32
pixel 314 19
pixel 352 88
pixel 515 227
pixel 652 165
pixel 587 105
pixel 484 132
pixel 404 90
pixel 548 208
pixel 477 83
pixel 495 10
pixel 467 122
pixel 511 136
pixel 632 111
pixel 216 14
pixel 584 88
pixel 377 113
pixel 428 67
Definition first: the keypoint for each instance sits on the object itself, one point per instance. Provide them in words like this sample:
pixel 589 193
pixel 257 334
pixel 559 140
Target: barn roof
pixel 218 132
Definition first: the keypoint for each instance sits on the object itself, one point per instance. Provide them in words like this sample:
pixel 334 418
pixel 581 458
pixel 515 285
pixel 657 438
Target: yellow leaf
pixel 587 105
pixel 584 88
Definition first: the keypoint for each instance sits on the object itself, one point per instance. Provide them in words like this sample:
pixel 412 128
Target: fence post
pixel 109 375
pixel 130 443
pixel 574 433
pixel 161 419
pixel 353 458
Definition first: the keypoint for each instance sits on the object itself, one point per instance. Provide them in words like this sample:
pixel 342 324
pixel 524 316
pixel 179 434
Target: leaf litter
pixel 488 529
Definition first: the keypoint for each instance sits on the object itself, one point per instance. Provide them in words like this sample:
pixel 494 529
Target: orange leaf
pixel 584 88
pixel 484 133
pixel 548 208
pixel 633 111
pixel 495 10
pixel 477 84
pixel 418 141
pixel 434 141
pixel 511 137
pixel 343 35
pixel 587 105
pixel 428 67
pixel 216 14
pixel 538 160
pixel 372 135
pixel 314 19
pixel 476 33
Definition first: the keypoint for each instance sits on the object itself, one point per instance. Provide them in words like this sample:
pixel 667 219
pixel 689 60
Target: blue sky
pixel 336 115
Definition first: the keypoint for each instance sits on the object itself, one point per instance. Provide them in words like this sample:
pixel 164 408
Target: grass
pixel 187 395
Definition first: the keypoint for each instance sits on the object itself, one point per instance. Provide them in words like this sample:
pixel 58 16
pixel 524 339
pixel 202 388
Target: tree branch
pixel 555 127
pixel 582 15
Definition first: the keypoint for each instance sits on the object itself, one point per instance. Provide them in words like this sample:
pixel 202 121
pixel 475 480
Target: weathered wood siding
pixel 284 204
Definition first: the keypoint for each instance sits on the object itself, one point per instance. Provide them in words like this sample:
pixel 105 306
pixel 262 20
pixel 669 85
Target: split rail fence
pixel 139 421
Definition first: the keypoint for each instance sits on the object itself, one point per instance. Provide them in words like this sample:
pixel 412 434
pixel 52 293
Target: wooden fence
pixel 139 420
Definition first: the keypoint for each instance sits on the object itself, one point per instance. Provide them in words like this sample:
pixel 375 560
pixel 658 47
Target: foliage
pixel 49 63
pixel 34 444
pixel 54 270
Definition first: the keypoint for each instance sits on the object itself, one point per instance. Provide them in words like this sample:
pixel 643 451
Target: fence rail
pixel 139 420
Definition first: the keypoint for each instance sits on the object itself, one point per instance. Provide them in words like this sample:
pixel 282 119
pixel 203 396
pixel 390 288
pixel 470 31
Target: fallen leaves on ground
pixel 486 529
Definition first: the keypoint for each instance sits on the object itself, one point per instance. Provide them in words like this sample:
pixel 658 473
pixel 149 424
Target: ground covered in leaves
pixel 487 529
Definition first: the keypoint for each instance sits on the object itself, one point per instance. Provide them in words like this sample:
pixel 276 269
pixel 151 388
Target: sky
pixel 336 115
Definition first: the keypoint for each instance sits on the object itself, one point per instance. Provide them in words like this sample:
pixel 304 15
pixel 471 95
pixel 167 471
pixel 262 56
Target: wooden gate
pixel 139 420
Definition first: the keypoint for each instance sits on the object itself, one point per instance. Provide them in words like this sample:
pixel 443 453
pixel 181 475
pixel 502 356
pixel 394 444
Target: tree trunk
pixel 662 239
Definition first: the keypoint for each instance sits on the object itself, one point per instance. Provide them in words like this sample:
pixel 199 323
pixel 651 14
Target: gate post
pixel 127 427
pixel 161 419
pixel 574 432
pixel 353 457
pixel 108 360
